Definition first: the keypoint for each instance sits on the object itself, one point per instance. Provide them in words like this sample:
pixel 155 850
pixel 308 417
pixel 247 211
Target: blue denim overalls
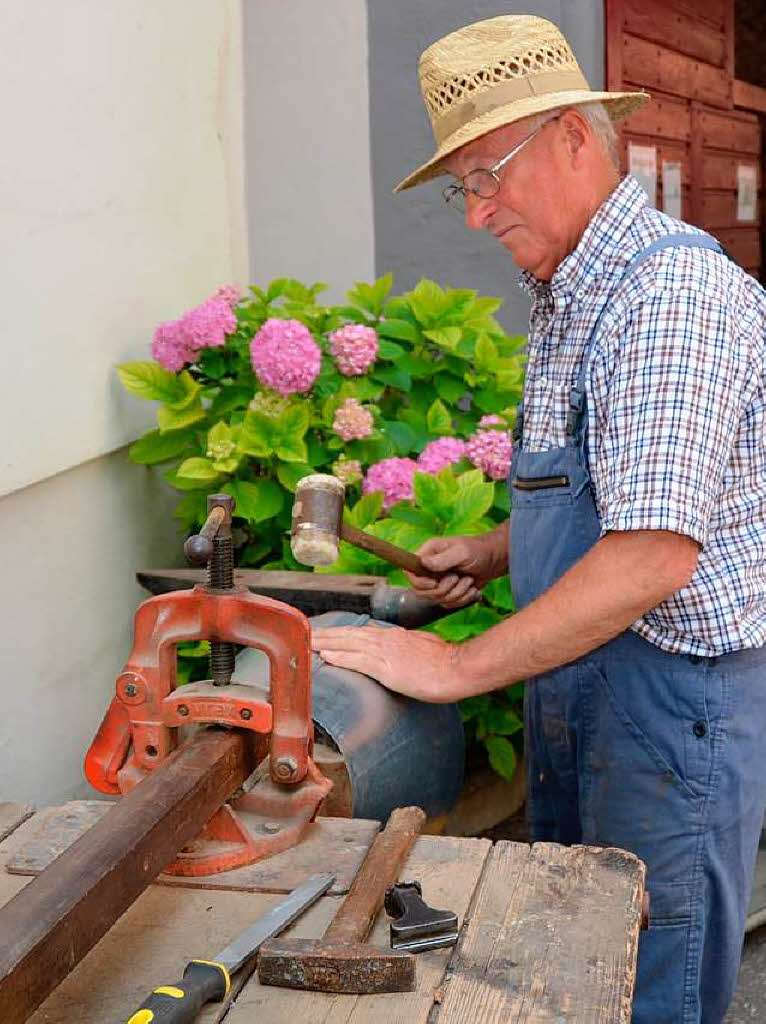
pixel 630 746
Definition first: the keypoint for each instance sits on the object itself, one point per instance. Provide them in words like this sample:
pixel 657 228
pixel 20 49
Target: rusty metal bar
pixel 48 927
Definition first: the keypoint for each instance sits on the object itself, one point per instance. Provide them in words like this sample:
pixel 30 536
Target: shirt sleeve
pixel 674 386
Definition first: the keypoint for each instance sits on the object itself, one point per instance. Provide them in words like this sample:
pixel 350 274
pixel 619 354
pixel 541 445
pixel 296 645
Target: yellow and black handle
pixel 204 981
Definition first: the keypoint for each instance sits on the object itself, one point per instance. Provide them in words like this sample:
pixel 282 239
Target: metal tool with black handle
pixel 206 981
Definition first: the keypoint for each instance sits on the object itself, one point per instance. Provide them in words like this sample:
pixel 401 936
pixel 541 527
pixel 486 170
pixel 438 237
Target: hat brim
pixel 617 105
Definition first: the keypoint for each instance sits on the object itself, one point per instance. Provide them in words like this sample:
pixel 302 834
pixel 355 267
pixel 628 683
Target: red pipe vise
pixel 141 726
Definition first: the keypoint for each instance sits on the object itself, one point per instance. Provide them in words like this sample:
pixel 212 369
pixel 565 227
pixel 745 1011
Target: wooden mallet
pixel 318 528
pixel 340 961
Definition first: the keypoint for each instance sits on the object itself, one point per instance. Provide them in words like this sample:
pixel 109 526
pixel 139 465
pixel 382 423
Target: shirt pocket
pixel 546 407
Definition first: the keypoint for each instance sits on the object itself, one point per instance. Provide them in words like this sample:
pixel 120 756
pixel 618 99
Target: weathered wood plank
pixel 49 926
pixel 666 117
pixel 338 841
pixel 654 66
pixel 719 170
pixel 11 816
pixel 731 131
pixel 749 97
pixel 448 869
pixel 553 936
pixel 681 30
pixel 742 244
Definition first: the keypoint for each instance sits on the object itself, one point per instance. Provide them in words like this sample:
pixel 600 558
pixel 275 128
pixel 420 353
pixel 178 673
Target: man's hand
pixel 474 561
pixel 419 665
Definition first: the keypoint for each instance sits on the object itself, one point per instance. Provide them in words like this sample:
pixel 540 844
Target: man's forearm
pixel 620 578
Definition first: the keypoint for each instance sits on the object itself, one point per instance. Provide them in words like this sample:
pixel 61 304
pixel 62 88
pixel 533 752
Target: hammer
pixel 318 527
pixel 340 961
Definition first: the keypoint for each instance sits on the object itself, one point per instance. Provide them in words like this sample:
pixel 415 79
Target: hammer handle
pixel 381 867
pixel 390 552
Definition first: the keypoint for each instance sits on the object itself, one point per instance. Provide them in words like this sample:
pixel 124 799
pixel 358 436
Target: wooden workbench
pixel 549 934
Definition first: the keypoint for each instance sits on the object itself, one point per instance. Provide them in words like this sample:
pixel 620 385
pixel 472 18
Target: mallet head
pixel 335 967
pixel 317 519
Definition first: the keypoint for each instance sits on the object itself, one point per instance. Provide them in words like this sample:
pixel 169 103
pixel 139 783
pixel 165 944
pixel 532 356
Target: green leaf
pixel 258 435
pixel 416 366
pixel 150 381
pixel 449 388
pixel 485 353
pixel 256 501
pixel 292 449
pixel 389 350
pixel 289 473
pixel 502 756
pixel 194 649
pixel 294 421
pixel 401 330
pixel 189 389
pixel 366 510
pixel 445 337
pixel 438 419
pixel 434 494
pixel 502 722
pixel 155 447
pixel 220 434
pixel 427 301
pixel 191 510
pixel 371 298
pixel 229 398
pixel 498 593
pixel 471 502
pixel 393 377
pixel 455 628
pixel 198 471
pixel 402 435
pixel 172 419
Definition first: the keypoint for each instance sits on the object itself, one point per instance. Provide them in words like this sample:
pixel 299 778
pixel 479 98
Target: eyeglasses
pixel 484 182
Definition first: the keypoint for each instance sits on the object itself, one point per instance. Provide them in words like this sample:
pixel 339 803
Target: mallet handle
pixel 381 867
pixel 390 552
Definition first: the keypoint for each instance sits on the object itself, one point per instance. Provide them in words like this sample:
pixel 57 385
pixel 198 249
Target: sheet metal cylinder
pixel 397 751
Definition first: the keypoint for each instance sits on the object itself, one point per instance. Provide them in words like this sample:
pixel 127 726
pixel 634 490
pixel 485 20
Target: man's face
pixel 533 214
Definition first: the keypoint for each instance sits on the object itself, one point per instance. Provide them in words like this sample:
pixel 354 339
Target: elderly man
pixel 638 512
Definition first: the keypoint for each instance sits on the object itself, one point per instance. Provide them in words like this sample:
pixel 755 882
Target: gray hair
pixel 600 122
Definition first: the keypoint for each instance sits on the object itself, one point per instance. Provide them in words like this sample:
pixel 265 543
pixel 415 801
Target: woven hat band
pixel 507 92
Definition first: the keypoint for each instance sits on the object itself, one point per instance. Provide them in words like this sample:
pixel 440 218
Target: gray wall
pixel 414 235
pixel 307 142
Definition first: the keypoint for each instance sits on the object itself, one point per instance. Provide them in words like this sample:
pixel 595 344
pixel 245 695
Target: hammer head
pixel 317 519
pixel 335 967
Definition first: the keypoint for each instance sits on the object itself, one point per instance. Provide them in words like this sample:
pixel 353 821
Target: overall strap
pixel 577 394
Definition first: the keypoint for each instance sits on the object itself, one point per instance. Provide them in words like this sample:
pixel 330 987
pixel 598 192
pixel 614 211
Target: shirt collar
pixel 599 245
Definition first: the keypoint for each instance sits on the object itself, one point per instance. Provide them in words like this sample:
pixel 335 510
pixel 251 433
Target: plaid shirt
pixel 676 393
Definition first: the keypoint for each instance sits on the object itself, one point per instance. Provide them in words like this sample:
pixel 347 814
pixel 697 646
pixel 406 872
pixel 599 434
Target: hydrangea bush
pixel 408 399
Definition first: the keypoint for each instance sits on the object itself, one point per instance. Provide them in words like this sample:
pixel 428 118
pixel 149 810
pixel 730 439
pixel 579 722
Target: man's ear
pixel 576 135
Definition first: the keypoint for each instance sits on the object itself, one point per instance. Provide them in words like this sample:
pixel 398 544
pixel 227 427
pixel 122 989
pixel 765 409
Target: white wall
pixel 308 142
pixel 121 203
pixel 71 547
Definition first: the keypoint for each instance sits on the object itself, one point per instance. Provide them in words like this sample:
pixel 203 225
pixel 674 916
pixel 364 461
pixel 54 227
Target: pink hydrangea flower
pixel 347 470
pixel 492 421
pixel 490 451
pixel 285 357
pixel 229 293
pixel 444 451
pixel 354 348
pixel 207 325
pixel 169 346
pixel 176 342
pixel 352 421
pixel 394 477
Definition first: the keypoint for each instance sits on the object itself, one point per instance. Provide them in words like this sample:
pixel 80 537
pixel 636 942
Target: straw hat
pixel 498 71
